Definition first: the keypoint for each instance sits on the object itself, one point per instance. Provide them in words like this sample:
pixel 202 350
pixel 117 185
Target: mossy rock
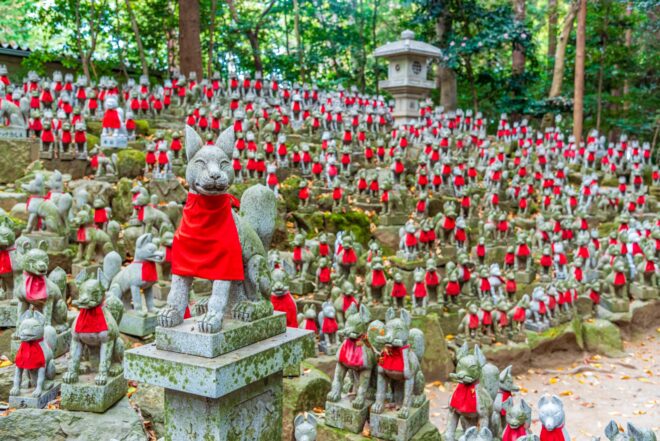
pixel 606 228
pixel 92 140
pixel 94 128
pixel 437 361
pixel 289 191
pixel 356 222
pixel 142 127
pixel 428 432
pixel 602 337
pixel 130 163
pixel 122 203
pixel 302 394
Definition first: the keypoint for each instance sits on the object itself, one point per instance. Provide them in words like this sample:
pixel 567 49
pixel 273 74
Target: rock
pixel 645 315
pixel 122 203
pixel 602 337
pixel 15 156
pixel 130 163
pixel 516 354
pixel 120 422
pixel 150 400
pixel 94 188
pixel 565 337
pixel 388 237
pixel 169 190
pixel 324 363
pixel 302 394
pixel 427 433
pixel 437 361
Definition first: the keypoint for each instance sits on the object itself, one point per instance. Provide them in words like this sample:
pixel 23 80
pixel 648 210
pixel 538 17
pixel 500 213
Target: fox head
pixel 91 291
pixel 34 260
pixel 146 250
pixel 357 321
pixel 517 415
pixel 468 365
pixel 209 171
pixel 397 329
pixel 32 326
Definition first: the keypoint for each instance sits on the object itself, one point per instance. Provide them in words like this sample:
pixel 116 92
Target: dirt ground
pixel 594 389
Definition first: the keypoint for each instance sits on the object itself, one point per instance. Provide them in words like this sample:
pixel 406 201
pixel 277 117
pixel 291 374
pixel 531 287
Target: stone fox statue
pixel 96 328
pixel 215 242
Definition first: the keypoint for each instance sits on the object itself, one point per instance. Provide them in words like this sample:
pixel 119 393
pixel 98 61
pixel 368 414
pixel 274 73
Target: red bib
pixel 349 257
pixel 348 301
pixel 552 435
pixel 399 290
pixel 511 434
pixel 377 278
pixel 81 235
pixel 505 396
pixel 5 261
pixel 206 244
pixel 30 355
pixel 100 215
pixel 310 325
pixel 35 287
pixel 464 398
pixel 91 321
pixel 350 354
pixel 149 273
pixel 392 359
pixel 329 325
pixel 286 304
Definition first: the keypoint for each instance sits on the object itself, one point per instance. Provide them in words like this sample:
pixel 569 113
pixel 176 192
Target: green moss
pixel 602 337
pixel 130 163
pixel 605 228
pixel 122 205
pixel 237 189
pixel 142 127
pixel 94 128
pixel 354 221
pixel 92 140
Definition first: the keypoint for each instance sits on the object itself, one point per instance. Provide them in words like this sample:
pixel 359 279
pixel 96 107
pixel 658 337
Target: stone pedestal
pixel 525 277
pixel 86 396
pixel 301 286
pixel 342 415
pixel 615 304
pixel 536 326
pixel 55 242
pixel 392 219
pixel 77 268
pixel 114 142
pixel 160 290
pixel 138 325
pixel 7 314
pixel 388 426
pixel 25 399
pixel 643 292
pixel 235 395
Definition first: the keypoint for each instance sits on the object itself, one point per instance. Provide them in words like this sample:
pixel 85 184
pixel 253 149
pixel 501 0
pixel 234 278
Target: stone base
pixel 235 334
pixel 392 219
pixel 525 277
pixel 7 314
pixel 62 344
pixel 301 287
pixel 342 415
pixel 138 325
pixel 114 142
pixel 160 290
pixel 292 370
pixel 643 292
pixel 86 396
pixel 536 326
pixel 26 400
pixel 76 268
pixel 55 242
pixel 388 426
pixel 615 304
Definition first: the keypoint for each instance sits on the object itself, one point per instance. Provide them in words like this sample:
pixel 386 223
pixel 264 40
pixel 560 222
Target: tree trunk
pixel 518 56
pixel 209 63
pixel 445 77
pixel 256 55
pixel 628 43
pixel 299 46
pixel 473 86
pixel 601 67
pixel 138 38
pixel 374 22
pixel 578 98
pixel 560 53
pixel 190 50
pixel 552 30
pixel 81 52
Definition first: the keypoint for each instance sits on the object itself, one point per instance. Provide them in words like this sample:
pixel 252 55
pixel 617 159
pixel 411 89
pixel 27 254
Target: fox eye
pixel 200 162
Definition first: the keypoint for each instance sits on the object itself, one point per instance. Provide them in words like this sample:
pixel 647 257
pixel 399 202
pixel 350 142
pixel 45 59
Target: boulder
pixel 324 433
pixel 122 203
pixel 15 156
pixel 302 394
pixel 120 422
pixel 130 163
pixel 150 400
pixel 602 337
pixel 437 362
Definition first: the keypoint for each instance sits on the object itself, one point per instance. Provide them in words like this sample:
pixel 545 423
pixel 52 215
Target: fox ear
pixel 365 315
pixel 526 408
pixel 42 245
pixel 226 141
pixel 193 142
pixel 390 314
pixel 611 430
pixel 405 316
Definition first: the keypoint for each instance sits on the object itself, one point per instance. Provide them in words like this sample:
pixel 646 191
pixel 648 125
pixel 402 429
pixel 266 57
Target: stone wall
pixel 15 156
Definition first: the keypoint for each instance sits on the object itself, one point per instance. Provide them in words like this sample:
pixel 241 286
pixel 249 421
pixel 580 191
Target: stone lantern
pixel 407 73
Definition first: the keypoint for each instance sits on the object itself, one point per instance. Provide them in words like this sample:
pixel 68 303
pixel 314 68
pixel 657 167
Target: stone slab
pixel 186 338
pixel 643 292
pixel 25 399
pixel 13 133
pixel 86 396
pixel 55 242
pixel 614 304
pixel 253 412
pixel 388 426
pixel 161 290
pixel 342 415
pixel 7 314
pixel 77 268
pixel 116 142
pixel 219 376
pixel 138 325
pixel 301 287
pixel 536 327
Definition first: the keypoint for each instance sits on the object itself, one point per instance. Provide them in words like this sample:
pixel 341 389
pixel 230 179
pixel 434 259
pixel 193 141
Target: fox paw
pixel 169 317
pixel 15 391
pixel 36 392
pixel 418 400
pixel 334 395
pixel 358 402
pixel 210 323
pixel 404 412
pixel 115 369
pixel 377 407
pixel 70 378
pixel 100 379
pixel 250 311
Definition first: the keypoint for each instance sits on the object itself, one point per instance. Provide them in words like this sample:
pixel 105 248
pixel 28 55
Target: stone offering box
pixel 114 142
pixel 227 385
pixel 12 133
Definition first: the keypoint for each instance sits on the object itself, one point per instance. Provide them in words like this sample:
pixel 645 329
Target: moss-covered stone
pixel 302 394
pixel 15 156
pixel 94 127
pixel 142 127
pixel 356 222
pixel 437 361
pixel 122 205
pixel 92 140
pixel 427 433
pixel 602 337
pixel 130 163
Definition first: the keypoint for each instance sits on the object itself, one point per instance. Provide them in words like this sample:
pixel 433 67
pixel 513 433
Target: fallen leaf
pixel 566 393
pixel 318 410
pixel 625 377
pixel 554 380
pixel 5 363
pixel 639 412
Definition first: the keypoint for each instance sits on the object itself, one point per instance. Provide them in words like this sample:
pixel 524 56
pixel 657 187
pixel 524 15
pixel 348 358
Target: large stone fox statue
pixel 217 243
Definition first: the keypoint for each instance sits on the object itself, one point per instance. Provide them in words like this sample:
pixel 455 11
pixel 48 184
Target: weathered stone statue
pixel 215 243
pixel 553 418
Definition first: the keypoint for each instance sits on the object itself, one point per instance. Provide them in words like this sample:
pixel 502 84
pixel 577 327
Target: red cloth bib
pixel 473 322
pixel 519 314
pixel 348 301
pixel 464 398
pixel 30 355
pixel 91 321
pixel 392 359
pixel 35 287
pixel 5 261
pixel 350 354
pixel 324 274
pixel 552 435
pixel 329 325
pixel 310 325
pixel 100 215
pixel 377 278
pixel 399 290
pixel 431 279
pixel 206 244
pixel 349 257
pixel 505 396
pixel 511 434
pixel 453 288
pixel 81 235
pixel 619 279
pixel 149 273
pixel 323 249
pixel 420 290
pixel 287 305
